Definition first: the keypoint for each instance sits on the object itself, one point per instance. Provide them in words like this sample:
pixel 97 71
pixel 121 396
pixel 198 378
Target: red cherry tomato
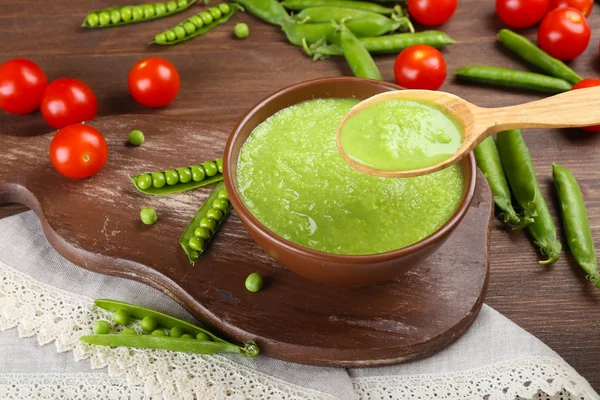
pixel 78 151
pixel 521 13
pixel 587 83
pixel 22 83
pixel 431 12
pixel 420 67
pixel 68 101
pixel 153 82
pixel 564 33
pixel 585 6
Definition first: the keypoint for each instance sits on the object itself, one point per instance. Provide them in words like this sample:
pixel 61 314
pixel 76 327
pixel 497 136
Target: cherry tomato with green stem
pixel 78 151
pixel 564 33
pixel 67 101
pixel 431 12
pixel 522 13
pixel 587 83
pixel 420 67
pixel 22 83
pixel 584 6
pixel 153 82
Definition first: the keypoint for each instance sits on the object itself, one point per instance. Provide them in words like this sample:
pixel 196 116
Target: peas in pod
pixel 124 15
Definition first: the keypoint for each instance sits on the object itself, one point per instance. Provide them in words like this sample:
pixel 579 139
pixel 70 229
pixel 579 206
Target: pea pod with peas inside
pixel 575 222
pixel 179 179
pixel 205 224
pixel 299 5
pixel 512 79
pixel 197 25
pixel 124 15
pixel 518 166
pixel 270 11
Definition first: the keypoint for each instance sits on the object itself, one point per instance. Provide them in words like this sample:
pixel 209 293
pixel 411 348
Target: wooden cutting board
pixel 95 224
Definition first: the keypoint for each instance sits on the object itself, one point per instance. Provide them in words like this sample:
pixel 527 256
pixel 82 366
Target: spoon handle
pixel 570 109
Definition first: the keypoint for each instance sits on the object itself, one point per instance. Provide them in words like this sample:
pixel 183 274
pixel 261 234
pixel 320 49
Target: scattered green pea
pixel 128 331
pixel 241 30
pixel 158 332
pixel 101 327
pixel 115 16
pixel 202 233
pixel 214 213
pixel 220 165
pixel 171 36
pixel 171 6
pixel 148 324
pixel 197 21
pixel 136 137
pixel 126 13
pixel 148 216
pixel 221 204
pixel 189 27
pixel 208 223
pixel 160 8
pixel 92 19
pixel 149 10
pixel 198 173
pixel 158 179
pixel 196 243
pixel 179 32
pixel 122 317
pixel 215 12
pixel 176 332
pixel 254 282
pixel 223 195
pixel 185 175
pixel 224 7
pixel 206 17
pixel 203 337
pixel 210 168
pixel 104 18
pixel 144 181
pixel 137 13
pixel 171 176
pixel 187 336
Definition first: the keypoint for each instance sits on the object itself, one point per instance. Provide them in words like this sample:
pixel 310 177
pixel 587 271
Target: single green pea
pixel 254 282
pixel 136 137
pixel 214 213
pixel 171 6
pixel 210 168
pixel 196 243
pixel 161 38
pixel 198 173
pixel 179 32
pixel 101 327
pixel 171 36
pixel 185 175
pixel 126 13
pixel 148 324
pixel 92 19
pixel 189 27
pixel 149 10
pixel 203 337
pixel 221 204
pixel 128 331
pixel 104 18
pixel 241 30
pixel 158 179
pixel 215 12
pixel 137 12
pixel 115 16
pixel 158 332
pixel 182 3
pixel 148 216
pixel 121 316
pixel 224 7
pixel 197 21
pixel 144 181
pixel 220 165
pixel 223 195
pixel 202 233
pixel 208 224
pixel 187 336
pixel 194 255
pixel 176 332
pixel 161 8
pixel 171 176
pixel 206 17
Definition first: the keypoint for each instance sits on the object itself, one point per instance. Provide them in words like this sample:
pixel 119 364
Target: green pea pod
pixel 510 78
pixel 575 221
pixel 360 61
pixel 518 166
pixel 538 57
pixel 337 14
pixel 270 11
pixel 196 176
pixel 298 5
pixel 203 227
pixel 194 26
pixel 488 161
pixel 125 15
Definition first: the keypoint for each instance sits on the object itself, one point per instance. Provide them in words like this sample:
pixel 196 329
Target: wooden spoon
pixel 571 109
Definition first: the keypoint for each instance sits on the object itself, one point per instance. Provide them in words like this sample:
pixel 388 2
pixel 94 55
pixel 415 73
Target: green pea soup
pixel 292 178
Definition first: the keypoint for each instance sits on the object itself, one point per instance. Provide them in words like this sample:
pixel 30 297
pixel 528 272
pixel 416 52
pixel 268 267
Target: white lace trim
pixel 51 314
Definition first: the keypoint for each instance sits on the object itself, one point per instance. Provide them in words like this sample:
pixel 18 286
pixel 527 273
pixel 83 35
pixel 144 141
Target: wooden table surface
pixel 222 77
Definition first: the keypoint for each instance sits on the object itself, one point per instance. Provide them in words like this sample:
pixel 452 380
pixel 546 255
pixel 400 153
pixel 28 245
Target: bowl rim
pixel 245 214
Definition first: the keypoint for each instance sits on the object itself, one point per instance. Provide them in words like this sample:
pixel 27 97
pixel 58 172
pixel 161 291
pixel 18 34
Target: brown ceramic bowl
pixel 331 269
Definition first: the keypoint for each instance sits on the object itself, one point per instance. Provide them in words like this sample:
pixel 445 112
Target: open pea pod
pixel 124 15
pixel 179 179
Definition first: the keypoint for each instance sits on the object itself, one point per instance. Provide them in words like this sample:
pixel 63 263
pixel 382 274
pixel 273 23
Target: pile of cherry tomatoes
pixel 79 150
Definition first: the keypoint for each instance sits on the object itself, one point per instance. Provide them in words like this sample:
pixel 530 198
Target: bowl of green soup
pixel 316 215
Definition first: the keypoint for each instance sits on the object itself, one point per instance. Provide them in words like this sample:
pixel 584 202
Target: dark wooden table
pixel 222 77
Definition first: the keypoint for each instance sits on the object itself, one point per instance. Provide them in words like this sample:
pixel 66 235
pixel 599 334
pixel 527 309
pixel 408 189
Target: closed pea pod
pixel 512 79
pixel 518 166
pixel 371 20
pixel 298 5
pixel 360 61
pixel 270 11
pixel 124 15
pixel 575 222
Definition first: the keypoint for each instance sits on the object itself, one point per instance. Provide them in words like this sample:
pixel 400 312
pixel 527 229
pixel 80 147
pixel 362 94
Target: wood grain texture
pixel 95 223
pixel 222 77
